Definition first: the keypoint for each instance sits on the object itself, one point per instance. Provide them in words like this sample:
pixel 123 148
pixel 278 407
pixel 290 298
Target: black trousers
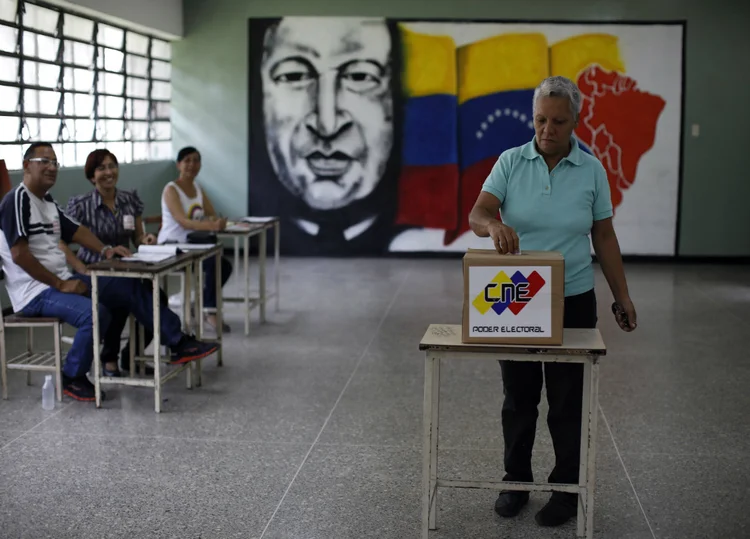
pixel 112 335
pixel 522 386
pixel 209 286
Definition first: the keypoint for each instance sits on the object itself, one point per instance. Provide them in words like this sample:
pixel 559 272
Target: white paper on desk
pixel 255 219
pixel 170 249
pixel 193 246
pixel 237 228
pixel 148 258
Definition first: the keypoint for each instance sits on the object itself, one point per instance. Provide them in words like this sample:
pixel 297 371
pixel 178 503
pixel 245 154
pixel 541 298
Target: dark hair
pixel 31 150
pixel 187 150
pixel 94 160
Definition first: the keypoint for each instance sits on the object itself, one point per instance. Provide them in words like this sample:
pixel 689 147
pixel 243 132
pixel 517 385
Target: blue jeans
pixel 115 294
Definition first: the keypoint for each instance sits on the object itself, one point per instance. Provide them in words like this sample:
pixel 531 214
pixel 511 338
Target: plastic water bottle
pixel 48 393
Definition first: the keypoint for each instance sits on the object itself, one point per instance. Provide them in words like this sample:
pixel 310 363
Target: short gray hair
pixel 560 87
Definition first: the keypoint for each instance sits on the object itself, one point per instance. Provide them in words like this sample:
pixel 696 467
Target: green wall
pixel 148 178
pixel 210 88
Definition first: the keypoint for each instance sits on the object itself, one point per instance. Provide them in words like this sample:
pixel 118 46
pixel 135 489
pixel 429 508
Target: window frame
pixel 99 115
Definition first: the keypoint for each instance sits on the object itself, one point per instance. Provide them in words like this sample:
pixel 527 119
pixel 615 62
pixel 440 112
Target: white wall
pixel 160 17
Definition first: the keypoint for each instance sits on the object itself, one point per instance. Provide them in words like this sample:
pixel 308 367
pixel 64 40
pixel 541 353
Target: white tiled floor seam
pixel 375 334
pixel 63 407
pixel 622 462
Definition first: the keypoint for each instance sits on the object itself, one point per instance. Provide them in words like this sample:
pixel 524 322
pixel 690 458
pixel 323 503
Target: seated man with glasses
pixel 39 283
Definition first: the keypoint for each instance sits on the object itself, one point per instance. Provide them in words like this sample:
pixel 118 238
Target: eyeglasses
pixel 46 162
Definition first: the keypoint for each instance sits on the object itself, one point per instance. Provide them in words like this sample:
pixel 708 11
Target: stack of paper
pixel 237 227
pixel 152 254
pixel 256 219
pixel 193 246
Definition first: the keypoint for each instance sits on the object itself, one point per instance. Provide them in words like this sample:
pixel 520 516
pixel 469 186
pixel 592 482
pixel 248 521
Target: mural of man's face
pixel 328 107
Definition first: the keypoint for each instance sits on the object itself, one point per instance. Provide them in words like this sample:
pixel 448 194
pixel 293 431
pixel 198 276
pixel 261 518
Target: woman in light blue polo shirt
pixel 552 196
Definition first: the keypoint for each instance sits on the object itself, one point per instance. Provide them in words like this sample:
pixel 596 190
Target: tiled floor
pixel 312 428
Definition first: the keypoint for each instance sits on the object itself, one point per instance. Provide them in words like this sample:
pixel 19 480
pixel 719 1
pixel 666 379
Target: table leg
pixel 427 445
pixel 435 437
pixel 132 324
pixel 97 340
pixel 219 313
pixel 186 318
pixel 157 345
pixel 262 246
pixel 430 446
pixel 593 423
pixel 199 302
pixel 276 257
pixel 586 469
pixel 198 273
pixel 141 350
pixel 584 452
pixel 236 252
pixel 246 268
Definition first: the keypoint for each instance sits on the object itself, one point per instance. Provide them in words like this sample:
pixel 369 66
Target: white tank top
pixel 171 230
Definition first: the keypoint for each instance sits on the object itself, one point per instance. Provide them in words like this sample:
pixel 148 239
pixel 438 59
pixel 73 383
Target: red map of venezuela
pixel 610 103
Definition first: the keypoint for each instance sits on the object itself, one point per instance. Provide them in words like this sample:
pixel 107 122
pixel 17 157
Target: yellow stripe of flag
pixel 502 63
pixel 429 64
pixel 570 57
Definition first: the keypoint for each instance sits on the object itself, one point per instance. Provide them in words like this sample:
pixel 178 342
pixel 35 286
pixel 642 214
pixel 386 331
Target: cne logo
pixel 511 293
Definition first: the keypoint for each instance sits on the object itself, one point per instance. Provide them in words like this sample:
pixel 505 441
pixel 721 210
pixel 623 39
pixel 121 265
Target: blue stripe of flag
pixel 431 131
pixel 491 124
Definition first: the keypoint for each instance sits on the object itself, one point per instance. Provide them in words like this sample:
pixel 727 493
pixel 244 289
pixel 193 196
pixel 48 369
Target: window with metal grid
pixel 81 84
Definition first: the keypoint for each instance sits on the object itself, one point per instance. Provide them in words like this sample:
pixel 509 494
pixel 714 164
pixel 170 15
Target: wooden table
pixel 241 236
pixel 190 262
pixel 443 342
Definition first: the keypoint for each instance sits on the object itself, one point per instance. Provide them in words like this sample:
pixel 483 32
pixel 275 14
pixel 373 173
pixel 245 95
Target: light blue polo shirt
pixel 553 211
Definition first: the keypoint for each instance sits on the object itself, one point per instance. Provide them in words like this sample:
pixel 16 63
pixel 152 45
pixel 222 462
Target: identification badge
pixel 128 222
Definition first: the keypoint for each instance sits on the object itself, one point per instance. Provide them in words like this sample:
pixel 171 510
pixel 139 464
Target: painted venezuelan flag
pixel 496 82
pixel 467 105
pixel 429 171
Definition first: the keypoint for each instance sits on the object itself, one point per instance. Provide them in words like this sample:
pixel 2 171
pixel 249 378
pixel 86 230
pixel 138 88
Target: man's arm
pixel 84 237
pixel 23 258
pixel 72 260
pixel 71 231
pixel 15 215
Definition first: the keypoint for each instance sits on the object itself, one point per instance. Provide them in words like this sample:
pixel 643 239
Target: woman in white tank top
pixel 185 208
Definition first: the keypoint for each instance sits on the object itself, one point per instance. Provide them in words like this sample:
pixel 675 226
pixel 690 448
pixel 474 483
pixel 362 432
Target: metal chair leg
pixel 3 364
pixel 58 361
pixel 30 350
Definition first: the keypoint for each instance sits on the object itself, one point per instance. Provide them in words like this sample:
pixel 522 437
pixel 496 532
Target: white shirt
pixel 42 223
pixel 171 230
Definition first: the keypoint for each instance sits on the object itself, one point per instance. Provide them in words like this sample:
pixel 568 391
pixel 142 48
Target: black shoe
pixel 510 502
pixel 80 389
pixel 190 349
pixel 560 508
